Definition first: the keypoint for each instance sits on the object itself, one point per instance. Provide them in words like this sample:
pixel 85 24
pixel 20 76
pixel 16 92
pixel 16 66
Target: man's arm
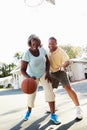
pixel 65 65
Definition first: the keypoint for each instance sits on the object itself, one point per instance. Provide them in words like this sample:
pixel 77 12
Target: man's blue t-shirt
pixel 37 65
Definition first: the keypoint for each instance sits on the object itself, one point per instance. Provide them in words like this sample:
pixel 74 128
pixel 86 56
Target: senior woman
pixel 35 64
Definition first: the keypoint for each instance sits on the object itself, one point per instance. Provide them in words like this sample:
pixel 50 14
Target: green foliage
pixel 72 51
pixel 5 69
pixel 18 55
pixel 9 86
pixel 1 86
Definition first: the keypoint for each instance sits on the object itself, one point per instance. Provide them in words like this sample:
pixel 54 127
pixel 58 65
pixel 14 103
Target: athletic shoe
pixel 79 113
pixel 55 118
pixel 27 115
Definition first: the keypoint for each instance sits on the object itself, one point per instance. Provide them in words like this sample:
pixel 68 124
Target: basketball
pixel 29 86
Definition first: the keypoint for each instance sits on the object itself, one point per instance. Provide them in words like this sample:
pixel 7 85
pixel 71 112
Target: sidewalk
pixel 13 107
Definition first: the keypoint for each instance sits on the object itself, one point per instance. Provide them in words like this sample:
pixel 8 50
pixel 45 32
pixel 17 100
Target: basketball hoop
pixel 33 3
pixel 51 1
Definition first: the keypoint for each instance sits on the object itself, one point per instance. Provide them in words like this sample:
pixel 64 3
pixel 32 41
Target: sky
pixel 66 21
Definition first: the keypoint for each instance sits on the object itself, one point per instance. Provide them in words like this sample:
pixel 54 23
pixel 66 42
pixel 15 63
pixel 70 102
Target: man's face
pixel 52 45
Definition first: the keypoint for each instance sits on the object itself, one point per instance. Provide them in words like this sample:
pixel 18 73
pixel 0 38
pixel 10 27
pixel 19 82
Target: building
pixel 78 69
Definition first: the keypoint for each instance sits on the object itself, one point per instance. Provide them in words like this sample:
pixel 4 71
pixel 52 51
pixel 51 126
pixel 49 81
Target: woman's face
pixel 34 44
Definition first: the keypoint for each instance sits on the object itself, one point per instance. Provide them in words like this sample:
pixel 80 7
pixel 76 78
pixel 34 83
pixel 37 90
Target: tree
pixel 72 51
pixel 84 55
pixel 5 69
pixel 17 56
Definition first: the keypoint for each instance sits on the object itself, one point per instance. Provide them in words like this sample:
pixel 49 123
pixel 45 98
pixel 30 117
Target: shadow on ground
pixel 49 125
pixel 67 125
pixel 34 126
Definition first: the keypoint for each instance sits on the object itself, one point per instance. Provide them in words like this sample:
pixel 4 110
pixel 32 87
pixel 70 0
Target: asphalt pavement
pixel 13 105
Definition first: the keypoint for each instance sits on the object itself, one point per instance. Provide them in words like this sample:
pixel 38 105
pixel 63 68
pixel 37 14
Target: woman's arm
pixel 24 68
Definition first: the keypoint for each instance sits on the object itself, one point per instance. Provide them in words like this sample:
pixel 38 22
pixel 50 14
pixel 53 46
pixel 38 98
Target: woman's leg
pixel 30 100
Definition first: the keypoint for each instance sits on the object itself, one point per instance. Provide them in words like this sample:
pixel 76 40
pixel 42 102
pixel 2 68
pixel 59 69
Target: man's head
pixel 52 44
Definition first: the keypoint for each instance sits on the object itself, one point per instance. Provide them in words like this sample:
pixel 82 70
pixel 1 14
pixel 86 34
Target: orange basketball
pixel 29 86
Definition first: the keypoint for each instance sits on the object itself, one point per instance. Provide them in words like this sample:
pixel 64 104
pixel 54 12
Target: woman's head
pixel 33 39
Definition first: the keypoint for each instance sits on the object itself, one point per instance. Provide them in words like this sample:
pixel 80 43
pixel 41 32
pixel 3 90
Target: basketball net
pixel 35 3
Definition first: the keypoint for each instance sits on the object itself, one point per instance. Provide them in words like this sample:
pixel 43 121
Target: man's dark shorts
pixel 60 77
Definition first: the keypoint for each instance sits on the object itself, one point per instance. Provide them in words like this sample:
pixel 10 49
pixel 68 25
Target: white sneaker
pixel 79 113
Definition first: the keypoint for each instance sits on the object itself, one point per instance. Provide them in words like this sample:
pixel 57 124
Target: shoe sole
pixel 78 119
pixel 25 119
pixel 56 122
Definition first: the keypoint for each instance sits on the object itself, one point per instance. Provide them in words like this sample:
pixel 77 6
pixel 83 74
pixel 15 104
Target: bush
pixel 1 86
pixel 9 86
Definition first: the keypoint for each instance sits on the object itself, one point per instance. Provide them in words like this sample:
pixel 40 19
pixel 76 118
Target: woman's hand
pixel 33 77
pixel 48 77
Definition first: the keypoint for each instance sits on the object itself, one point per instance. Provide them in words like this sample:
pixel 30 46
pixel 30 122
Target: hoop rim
pixel 38 3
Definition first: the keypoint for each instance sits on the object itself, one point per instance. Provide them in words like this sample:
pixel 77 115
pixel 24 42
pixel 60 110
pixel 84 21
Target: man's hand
pixel 62 68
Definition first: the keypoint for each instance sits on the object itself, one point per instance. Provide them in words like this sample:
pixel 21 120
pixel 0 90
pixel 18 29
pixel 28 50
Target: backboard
pixel 51 1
